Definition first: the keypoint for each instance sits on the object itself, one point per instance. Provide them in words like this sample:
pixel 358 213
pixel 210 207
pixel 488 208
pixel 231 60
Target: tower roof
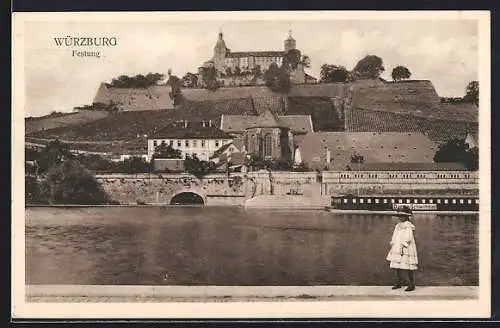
pixel 290 38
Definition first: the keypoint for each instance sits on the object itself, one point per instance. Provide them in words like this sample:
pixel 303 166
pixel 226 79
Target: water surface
pixel 234 246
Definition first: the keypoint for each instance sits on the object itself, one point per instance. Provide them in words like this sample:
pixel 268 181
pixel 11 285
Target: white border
pixel 366 309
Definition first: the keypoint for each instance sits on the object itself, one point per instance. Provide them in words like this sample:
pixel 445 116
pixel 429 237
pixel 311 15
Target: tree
pixel 166 151
pixel 209 77
pixel 137 81
pixel 256 71
pixel 190 80
pixel 400 73
pixel 472 93
pixel 53 154
pixel 333 73
pixel 291 59
pixel 458 151
pixel 197 167
pixel 70 183
pixel 237 71
pixel 278 79
pixel 370 67
pixel 305 61
pixel 357 159
pixel 176 85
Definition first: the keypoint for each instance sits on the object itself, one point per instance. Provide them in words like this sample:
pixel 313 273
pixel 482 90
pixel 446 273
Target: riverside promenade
pixel 124 293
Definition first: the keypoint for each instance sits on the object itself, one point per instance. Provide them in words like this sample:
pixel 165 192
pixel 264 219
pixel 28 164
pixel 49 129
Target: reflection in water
pixel 231 246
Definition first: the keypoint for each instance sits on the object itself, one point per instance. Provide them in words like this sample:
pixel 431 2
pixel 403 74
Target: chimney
pixel 185 124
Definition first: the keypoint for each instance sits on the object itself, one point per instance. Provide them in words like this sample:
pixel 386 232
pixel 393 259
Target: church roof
pixel 239 123
pixel 255 54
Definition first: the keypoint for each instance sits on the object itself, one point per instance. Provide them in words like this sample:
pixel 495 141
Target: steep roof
pixel 240 54
pixel 375 147
pixel 239 123
pixel 155 97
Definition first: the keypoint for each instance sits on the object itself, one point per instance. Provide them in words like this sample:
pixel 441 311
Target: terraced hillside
pixel 128 125
pixel 322 111
pixel 51 122
pixel 417 98
pixel 438 130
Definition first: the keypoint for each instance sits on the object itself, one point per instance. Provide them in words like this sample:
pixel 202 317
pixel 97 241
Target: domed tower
pixel 220 51
pixel 289 42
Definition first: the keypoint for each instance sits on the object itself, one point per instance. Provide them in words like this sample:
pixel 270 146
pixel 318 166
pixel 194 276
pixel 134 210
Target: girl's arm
pixel 407 237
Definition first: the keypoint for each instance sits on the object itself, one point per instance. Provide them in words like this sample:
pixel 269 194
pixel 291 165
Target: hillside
pixel 438 130
pixel 323 113
pixel 48 122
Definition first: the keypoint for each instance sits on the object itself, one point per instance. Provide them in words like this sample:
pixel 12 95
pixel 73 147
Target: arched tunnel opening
pixel 187 198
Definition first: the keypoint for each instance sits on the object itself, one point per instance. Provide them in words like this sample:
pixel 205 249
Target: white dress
pixel 403 253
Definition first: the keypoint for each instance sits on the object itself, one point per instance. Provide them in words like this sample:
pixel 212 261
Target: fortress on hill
pixel 402 122
pixel 228 63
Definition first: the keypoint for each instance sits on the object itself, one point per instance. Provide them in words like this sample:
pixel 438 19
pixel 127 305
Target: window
pixel 369 200
pixel 423 201
pixel 268 145
pixel 439 201
pixel 178 143
pixel 454 201
pixel 376 200
pixel 385 201
pixel 155 143
pixel 407 201
pixel 469 201
pixel 354 201
pixel 431 201
pixel 345 201
pixel 186 143
pixel 446 201
pixel 400 201
pixel 195 143
pixel 203 143
pixel 217 143
pixel 461 201
pixel 163 142
pixel 415 201
pixel 392 201
pixel 171 143
pixel 477 201
pixel 361 200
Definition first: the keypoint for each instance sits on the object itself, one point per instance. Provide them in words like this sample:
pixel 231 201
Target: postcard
pixel 320 164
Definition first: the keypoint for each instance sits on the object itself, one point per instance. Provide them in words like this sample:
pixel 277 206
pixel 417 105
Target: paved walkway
pixel 105 293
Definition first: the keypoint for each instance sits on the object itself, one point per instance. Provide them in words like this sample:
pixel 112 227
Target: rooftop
pixel 239 123
pixel 193 130
pixel 240 54
pixel 375 147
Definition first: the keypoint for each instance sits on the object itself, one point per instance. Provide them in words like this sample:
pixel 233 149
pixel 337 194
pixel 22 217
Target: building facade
pixel 191 138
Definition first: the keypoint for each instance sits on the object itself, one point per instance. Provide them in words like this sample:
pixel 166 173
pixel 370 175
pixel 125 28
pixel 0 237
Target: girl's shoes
pixel 396 286
pixel 410 288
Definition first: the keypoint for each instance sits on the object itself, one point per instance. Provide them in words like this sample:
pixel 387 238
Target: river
pixel 234 246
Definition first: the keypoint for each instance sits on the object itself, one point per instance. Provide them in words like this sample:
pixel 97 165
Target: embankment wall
pixel 218 189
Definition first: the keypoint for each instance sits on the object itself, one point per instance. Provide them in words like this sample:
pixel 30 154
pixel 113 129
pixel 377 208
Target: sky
pixel 443 51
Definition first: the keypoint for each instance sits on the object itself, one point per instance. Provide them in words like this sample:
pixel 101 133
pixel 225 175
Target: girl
pixel 403 254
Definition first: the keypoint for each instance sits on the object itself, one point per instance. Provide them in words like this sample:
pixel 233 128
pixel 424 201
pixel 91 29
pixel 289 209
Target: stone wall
pixel 400 182
pixel 217 190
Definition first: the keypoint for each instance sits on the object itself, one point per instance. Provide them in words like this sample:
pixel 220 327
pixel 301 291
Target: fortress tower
pixel 220 52
pixel 290 42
